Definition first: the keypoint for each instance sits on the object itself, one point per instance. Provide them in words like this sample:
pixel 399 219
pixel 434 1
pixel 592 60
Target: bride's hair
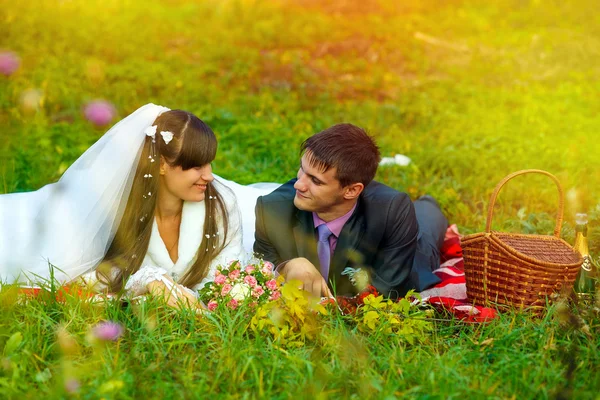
pixel 194 144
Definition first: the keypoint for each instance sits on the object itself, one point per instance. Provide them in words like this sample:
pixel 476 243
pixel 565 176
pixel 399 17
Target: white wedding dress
pixel 70 224
pixel 246 196
pixel 240 208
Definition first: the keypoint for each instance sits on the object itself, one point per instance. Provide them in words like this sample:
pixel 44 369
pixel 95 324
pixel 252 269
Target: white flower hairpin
pixel 167 136
pixel 151 131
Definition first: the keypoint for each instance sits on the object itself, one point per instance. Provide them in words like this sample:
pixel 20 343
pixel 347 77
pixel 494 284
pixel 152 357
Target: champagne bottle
pixel 584 284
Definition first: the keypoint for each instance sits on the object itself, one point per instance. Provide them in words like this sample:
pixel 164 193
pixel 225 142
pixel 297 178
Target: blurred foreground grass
pixel 48 352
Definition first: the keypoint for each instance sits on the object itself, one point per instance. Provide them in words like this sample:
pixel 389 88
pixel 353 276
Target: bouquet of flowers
pixel 254 283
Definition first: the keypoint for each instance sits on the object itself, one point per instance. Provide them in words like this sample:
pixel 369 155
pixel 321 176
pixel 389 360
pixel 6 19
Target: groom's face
pixel 317 191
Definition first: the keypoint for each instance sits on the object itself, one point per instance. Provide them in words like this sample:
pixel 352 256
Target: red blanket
pixel 450 295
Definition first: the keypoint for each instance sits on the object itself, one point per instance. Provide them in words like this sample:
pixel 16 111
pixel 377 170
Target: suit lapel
pixel 304 235
pixel 348 244
pixel 346 251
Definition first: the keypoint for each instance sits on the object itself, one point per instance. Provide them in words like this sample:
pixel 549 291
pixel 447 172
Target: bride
pixel 140 210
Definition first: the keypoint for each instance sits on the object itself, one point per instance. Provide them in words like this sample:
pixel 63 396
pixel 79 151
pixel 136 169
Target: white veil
pixel 71 223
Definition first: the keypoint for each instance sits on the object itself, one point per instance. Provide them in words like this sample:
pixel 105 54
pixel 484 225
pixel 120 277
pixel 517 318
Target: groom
pixel 336 229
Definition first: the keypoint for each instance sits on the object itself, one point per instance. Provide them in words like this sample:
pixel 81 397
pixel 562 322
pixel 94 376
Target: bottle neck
pixel 581 242
pixel 581 229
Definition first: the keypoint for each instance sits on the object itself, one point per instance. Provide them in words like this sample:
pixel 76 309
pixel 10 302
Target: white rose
pixel 240 291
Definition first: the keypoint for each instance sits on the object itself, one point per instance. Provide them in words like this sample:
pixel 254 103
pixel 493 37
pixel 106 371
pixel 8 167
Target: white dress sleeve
pixel 234 249
pixel 246 196
pixel 137 283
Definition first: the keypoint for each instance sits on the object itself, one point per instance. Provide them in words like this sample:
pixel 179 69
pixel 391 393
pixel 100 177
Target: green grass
pixel 180 355
pixel 470 90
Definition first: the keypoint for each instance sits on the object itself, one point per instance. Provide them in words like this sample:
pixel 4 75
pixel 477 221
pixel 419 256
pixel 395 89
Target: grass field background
pixel 469 90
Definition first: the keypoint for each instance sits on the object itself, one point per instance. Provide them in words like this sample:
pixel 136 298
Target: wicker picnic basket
pixel 518 269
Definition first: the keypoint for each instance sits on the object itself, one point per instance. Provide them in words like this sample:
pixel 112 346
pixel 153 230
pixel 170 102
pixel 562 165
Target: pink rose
pixel 272 284
pixel 250 280
pixel 233 304
pixel 275 295
pixel 220 279
pixel 212 305
pixel 258 291
pixel 226 289
pixel 249 269
pixel 99 112
pixel 233 275
pixel 266 270
pixel 269 264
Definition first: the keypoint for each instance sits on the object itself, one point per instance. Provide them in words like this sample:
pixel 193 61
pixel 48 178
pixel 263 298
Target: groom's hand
pixel 302 270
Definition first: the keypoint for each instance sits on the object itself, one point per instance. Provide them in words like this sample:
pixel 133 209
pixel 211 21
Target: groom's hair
pixel 346 147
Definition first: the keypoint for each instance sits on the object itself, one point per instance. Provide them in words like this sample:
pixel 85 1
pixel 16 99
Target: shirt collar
pixel 336 225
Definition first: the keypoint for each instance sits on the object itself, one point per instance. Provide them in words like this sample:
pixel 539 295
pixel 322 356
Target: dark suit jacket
pixel 380 237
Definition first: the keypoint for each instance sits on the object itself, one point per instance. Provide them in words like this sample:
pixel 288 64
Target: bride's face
pixel 187 185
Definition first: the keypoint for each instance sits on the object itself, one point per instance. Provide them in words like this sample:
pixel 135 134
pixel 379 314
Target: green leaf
pixel 43 376
pixel 13 342
pixel 111 386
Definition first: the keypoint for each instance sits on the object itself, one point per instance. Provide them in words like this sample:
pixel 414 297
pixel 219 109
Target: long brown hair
pixel 194 144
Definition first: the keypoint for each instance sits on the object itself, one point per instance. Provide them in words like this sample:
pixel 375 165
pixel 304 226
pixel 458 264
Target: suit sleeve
pixel 391 273
pixel 262 245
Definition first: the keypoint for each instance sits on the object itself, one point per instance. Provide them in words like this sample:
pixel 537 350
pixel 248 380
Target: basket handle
pixel 561 200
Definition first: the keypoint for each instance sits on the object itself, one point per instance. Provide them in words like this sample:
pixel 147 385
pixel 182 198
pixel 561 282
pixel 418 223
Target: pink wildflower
pixel 249 269
pixel 226 289
pixel 220 279
pixel 72 385
pixel 275 295
pixel 233 304
pixel 108 331
pixel 99 112
pixel 9 62
pixel 233 275
pixel 250 280
pixel 212 305
pixel 272 284
pixel 258 291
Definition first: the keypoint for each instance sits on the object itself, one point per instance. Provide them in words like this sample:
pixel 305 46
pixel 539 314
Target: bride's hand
pixel 175 295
